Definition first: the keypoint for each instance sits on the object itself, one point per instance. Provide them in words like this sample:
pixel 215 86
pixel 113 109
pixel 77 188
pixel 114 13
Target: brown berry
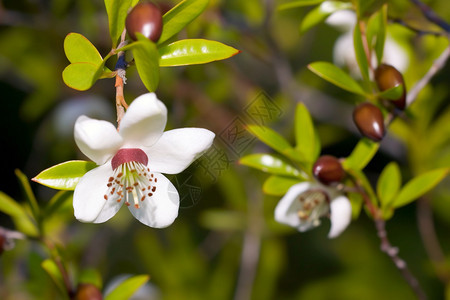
pixel 2 243
pixel 369 120
pixel 146 19
pixel 328 169
pixel 88 291
pixel 387 77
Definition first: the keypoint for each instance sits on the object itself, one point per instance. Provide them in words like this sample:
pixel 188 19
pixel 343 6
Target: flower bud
pixel 88 291
pixel 369 120
pixel 387 77
pixel 328 169
pixel 146 19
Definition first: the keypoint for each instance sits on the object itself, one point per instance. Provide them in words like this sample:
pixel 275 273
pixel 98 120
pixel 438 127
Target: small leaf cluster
pixel 87 65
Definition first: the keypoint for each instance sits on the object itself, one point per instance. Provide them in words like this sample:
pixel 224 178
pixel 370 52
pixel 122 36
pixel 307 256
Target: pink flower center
pixel 132 180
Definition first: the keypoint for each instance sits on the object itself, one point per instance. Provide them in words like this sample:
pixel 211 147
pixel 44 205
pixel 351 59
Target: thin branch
pixel 431 15
pixel 121 65
pixel 438 64
pixel 392 252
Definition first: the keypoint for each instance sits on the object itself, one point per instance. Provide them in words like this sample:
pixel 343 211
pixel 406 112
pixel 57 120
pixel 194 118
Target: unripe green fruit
pixel 387 77
pixel 369 120
pixel 88 291
pixel 327 169
pixel 146 19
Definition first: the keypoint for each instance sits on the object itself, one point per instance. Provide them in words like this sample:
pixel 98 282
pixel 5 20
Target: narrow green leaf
pixel 91 276
pixel 56 202
pixel 81 76
pixel 299 3
pixel 270 137
pixel 360 53
pixel 80 49
pixel 389 184
pixel 305 134
pixel 376 32
pixel 336 76
pixel 117 12
pixel 321 12
pixel 64 176
pixel 361 155
pixel 127 288
pixel 392 93
pixel 419 185
pixel 180 16
pixel 270 164
pixel 147 61
pixel 194 51
pixel 278 185
pixel 356 200
pixel 21 219
pixel 55 274
pixel 29 195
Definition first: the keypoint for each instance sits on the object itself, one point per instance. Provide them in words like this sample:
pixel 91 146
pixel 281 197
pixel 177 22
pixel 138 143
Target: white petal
pixel 287 208
pixel 88 198
pixel 144 121
pixel 341 215
pixel 178 148
pixel 161 209
pixel 98 140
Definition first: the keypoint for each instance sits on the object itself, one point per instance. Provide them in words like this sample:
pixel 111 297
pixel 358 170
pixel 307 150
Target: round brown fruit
pixel 88 291
pixel 369 120
pixel 146 19
pixel 327 169
pixel 387 77
pixel 2 243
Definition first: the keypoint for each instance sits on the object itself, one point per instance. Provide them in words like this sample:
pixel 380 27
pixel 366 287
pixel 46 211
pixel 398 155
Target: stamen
pixel 131 178
pixel 314 204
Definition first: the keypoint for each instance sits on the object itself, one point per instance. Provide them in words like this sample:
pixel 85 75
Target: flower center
pixel 314 204
pixel 132 180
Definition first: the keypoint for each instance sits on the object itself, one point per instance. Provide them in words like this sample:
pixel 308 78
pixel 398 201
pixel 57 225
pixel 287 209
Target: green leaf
pixel 21 219
pixel 64 176
pixel 336 76
pixel 91 276
pixel 117 11
pixel 356 200
pixel 55 274
pixel 419 185
pixel 270 164
pixel 29 195
pixel 278 185
pixel 82 75
pixel 194 51
pixel 360 53
pixel 80 49
pixel 180 16
pixel 56 202
pixel 127 288
pixel 376 32
pixel 305 134
pixel 393 93
pixel 270 137
pixel 361 155
pixel 321 12
pixel 299 3
pixel 389 183
pixel 146 57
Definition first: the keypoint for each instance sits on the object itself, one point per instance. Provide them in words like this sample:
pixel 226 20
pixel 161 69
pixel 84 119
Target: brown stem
pixel 392 252
pixel 59 263
pixel 121 104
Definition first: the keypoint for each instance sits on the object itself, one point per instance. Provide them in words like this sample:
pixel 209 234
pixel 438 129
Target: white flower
pixel 304 204
pixel 131 161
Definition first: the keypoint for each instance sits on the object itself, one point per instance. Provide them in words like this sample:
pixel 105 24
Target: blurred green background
pixel 225 243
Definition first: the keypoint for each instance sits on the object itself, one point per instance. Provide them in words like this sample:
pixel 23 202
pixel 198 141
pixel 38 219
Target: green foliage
pixel 307 143
pixel 419 185
pixel 321 12
pixel 18 214
pixel 29 195
pixel 278 185
pixel 52 269
pixel 127 288
pixel 117 12
pixel 193 51
pixel 376 32
pixel 360 53
pixel 272 139
pixel 361 155
pixel 271 164
pixel 91 276
pixel 299 3
pixel 389 184
pixel 64 176
pixel 336 76
pixel 180 16
pixel 80 49
pixel 392 93
pixel 56 202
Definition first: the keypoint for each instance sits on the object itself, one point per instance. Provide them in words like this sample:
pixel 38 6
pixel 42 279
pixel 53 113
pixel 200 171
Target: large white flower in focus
pixel 305 203
pixel 131 161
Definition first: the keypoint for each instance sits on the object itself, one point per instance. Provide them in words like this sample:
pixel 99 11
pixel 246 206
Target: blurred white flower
pixel 305 203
